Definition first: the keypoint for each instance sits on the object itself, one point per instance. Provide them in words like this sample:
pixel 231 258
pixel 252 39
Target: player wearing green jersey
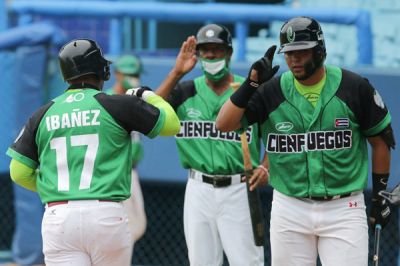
pixel 316 120
pixel 127 71
pixel 75 152
pixel 216 211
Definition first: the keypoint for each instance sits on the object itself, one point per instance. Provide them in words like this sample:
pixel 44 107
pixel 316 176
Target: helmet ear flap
pixel 319 55
pixel 106 71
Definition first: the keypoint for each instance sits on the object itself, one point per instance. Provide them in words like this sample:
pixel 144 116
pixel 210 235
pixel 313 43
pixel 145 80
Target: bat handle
pixel 378 229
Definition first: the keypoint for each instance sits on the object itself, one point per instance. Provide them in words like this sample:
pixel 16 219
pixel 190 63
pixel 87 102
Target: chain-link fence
pixel 164 242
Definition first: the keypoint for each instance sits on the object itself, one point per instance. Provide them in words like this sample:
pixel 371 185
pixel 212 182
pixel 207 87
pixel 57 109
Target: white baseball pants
pixel 217 220
pixel 134 207
pixel 86 233
pixel 301 229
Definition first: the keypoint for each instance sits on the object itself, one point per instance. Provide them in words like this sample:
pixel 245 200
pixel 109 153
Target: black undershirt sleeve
pixel 25 143
pixel 130 112
pixel 183 91
pixel 264 101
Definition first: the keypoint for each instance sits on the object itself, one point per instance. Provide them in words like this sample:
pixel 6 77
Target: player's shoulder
pixel 185 85
pixel 41 111
pixel 186 89
pixel 116 101
pixel 355 82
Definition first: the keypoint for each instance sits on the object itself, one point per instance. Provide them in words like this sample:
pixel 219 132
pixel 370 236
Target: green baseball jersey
pixel 82 145
pixel 323 150
pixel 200 145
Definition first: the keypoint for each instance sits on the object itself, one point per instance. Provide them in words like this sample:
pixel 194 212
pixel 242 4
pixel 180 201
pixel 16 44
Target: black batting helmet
pixel 301 33
pixel 81 57
pixel 214 33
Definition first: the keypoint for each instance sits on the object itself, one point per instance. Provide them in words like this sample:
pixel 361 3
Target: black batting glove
pixel 380 209
pixel 380 212
pixel 261 71
pixel 263 67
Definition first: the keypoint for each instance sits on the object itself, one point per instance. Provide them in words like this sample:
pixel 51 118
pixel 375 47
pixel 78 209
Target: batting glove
pixel 380 212
pixel 140 92
pixel 261 71
pixel 264 68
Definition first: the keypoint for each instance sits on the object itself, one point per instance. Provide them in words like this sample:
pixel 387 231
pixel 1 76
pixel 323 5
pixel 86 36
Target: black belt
pixel 328 198
pixel 218 181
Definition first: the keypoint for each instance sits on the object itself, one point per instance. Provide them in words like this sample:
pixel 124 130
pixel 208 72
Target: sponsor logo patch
pixel 76 97
pixel 342 122
pixel 193 113
pixel 284 126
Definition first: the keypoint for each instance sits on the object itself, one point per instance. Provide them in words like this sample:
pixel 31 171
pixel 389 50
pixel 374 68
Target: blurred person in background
pixel 216 210
pixel 75 151
pixel 127 71
pixel 27 239
pixel 316 121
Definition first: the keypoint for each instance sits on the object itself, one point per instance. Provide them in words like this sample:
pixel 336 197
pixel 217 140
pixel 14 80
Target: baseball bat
pixel 257 221
pixel 375 258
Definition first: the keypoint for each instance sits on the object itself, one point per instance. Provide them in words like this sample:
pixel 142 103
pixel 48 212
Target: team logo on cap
pixel 210 33
pixel 290 34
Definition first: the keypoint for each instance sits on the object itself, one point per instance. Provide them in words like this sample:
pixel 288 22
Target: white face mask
pixel 213 66
pixel 214 69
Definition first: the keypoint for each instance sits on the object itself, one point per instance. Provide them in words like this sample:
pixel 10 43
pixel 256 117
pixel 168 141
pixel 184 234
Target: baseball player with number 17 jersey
pixel 76 152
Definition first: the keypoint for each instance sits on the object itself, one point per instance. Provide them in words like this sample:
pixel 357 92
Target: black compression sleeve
pixel 242 96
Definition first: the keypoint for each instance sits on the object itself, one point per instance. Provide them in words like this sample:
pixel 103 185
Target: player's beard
pixel 309 69
pixel 311 65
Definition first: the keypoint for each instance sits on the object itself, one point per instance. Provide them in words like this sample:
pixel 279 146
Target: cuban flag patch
pixel 341 122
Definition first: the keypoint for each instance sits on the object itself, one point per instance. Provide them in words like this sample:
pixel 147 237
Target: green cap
pixel 129 65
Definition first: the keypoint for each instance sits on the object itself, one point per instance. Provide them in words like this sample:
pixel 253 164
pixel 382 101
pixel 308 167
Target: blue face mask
pixel 214 69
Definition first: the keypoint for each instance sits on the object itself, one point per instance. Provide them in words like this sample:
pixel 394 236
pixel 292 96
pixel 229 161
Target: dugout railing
pixel 241 15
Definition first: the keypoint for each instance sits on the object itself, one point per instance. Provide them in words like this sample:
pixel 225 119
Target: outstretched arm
pixel 185 62
pixel 170 123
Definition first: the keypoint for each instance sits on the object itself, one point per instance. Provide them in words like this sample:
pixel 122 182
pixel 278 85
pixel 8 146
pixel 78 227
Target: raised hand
pixel 186 59
pixel 261 71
